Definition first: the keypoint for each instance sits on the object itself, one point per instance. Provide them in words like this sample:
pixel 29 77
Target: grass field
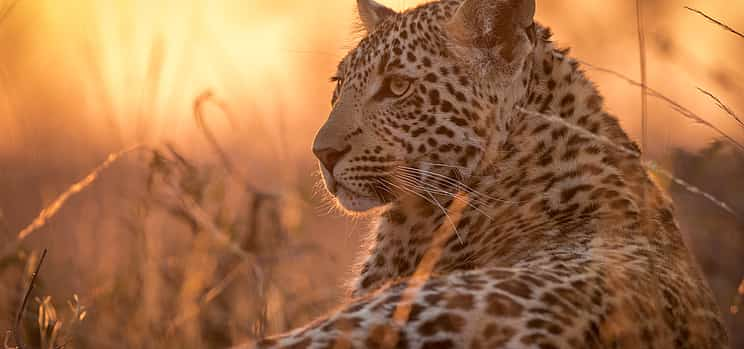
pixel 167 146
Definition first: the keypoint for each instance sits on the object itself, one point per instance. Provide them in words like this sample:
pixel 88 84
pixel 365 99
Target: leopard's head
pixel 424 98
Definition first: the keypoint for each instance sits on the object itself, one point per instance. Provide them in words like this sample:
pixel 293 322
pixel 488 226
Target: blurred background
pixel 214 230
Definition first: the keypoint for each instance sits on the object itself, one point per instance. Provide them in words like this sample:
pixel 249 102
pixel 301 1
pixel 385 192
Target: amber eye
pixel 399 86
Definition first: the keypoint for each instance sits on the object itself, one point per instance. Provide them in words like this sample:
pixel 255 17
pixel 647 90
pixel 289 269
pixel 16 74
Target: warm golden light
pixel 82 79
pixel 132 68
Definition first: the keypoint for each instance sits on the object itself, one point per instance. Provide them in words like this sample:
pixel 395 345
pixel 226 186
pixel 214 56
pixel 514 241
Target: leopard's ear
pixel 493 29
pixel 372 13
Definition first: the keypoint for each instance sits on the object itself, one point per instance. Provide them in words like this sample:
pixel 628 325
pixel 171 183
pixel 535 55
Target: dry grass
pixel 17 334
pixel 54 332
pixel 676 106
pixel 644 75
pixel 51 210
pixel 717 22
pixel 235 253
pixel 201 257
pixel 723 106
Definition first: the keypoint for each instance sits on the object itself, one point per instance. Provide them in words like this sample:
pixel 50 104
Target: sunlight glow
pixel 131 68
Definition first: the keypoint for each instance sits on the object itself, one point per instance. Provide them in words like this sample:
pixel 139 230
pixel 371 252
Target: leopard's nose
pixel 329 157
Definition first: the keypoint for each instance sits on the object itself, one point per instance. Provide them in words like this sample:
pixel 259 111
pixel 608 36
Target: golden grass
pixel 51 210
pixel 22 308
pixel 676 106
pixel 149 302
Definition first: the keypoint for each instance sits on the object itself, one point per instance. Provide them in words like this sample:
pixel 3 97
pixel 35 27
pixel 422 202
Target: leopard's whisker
pixel 473 196
pixel 415 184
pixel 437 177
pixel 460 185
pixel 384 186
pixel 433 201
pixel 468 202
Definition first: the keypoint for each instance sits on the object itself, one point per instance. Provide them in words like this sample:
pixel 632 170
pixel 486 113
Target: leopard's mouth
pixel 356 202
pixel 377 194
pixel 359 192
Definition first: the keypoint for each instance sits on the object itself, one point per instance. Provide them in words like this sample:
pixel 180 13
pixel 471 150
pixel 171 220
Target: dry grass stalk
pixel 654 167
pixel 260 196
pixel 199 103
pixel 184 191
pixel 204 221
pixel 22 308
pixel 649 165
pixel 431 257
pixel 51 210
pixel 644 76
pixel 673 104
pixel 208 297
pixel 247 259
pixel 187 200
pixel 723 106
pixel 53 328
pixel 717 22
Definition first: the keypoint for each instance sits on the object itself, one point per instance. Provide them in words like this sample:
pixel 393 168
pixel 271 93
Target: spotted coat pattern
pixel 542 234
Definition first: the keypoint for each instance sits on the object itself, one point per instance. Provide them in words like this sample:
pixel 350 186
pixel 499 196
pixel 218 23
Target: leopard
pixel 510 209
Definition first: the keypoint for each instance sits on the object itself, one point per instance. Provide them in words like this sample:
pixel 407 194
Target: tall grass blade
pixel 717 22
pixel 723 106
pixel 644 75
pixel 649 165
pixel 673 104
pixel 51 210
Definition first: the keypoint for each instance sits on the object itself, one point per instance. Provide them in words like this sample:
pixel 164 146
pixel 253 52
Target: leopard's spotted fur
pixel 552 238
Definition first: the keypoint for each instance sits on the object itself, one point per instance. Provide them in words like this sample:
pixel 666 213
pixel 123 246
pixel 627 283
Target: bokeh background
pixel 187 242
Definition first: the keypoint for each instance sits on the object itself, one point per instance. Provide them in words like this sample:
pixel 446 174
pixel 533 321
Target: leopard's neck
pixel 544 190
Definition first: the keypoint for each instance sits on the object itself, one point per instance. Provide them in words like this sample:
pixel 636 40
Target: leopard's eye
pixel 399 86
pixel 393 87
